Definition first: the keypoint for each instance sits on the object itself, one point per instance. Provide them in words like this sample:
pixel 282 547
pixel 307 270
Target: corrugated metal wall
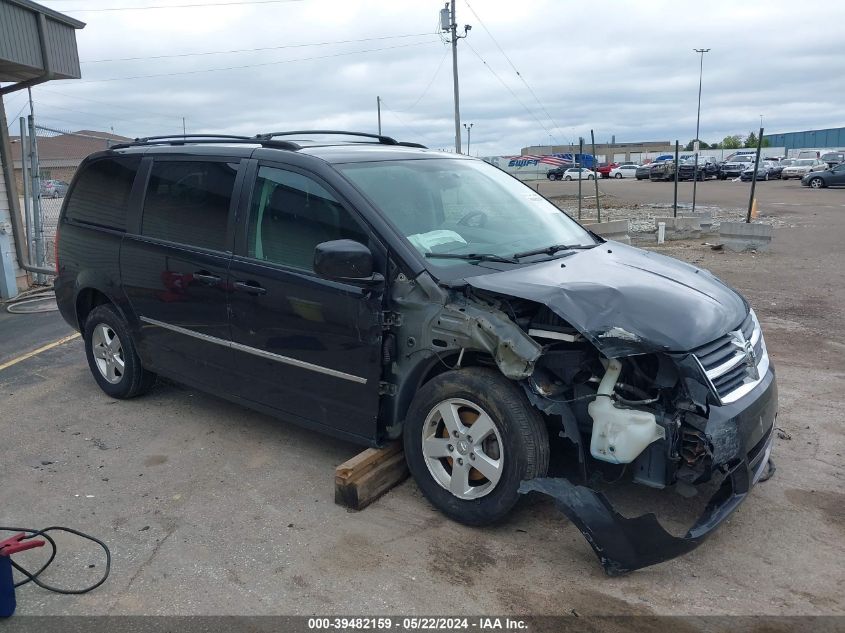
pixel 833 138
pixel 19 36
pixel 20 51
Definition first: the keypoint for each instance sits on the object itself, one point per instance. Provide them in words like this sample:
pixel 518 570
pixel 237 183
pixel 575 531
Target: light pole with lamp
pixel 469 134
pixel 701 52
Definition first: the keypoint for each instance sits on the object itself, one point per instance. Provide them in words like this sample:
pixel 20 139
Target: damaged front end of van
pixel 644 365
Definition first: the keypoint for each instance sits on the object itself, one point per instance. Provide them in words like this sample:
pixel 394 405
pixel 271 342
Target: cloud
pixel 623 69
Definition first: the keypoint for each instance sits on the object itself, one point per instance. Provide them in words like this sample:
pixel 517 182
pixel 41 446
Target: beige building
pixel 612 152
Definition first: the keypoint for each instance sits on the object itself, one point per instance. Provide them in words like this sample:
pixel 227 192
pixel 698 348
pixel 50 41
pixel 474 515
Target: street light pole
pixel 701 52
pixel 469 134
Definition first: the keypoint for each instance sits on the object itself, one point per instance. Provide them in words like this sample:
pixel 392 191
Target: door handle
pixel 205 277
pixel 251 287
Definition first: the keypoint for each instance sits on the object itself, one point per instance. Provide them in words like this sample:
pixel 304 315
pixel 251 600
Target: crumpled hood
pixel 626 300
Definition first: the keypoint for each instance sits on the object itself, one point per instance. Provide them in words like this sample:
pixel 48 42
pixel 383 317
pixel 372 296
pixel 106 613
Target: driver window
pixel 290 214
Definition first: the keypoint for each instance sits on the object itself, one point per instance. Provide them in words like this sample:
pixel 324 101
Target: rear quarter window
pixel 101 193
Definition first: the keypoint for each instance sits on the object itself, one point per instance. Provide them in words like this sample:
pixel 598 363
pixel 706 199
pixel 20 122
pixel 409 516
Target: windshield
pixel 804 162
pixel 463 207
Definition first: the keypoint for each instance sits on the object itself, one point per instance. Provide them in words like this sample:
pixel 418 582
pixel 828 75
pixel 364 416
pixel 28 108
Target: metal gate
pixel 45 163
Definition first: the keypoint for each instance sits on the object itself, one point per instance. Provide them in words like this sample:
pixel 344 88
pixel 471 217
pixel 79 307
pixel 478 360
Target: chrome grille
pixel 737 362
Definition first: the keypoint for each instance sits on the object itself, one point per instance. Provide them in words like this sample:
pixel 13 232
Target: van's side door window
pixel 304 345
pixel 175 272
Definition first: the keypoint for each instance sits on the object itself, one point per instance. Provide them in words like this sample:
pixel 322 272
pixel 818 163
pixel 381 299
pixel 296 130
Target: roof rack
pixel 265 140
pixel 384 140
pixel 193 139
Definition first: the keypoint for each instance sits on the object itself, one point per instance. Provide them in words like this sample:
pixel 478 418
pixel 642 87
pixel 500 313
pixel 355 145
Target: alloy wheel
pixel 462 448
pixel 108 353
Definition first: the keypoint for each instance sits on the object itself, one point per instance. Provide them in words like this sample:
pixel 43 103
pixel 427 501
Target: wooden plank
pixel 368 475
pixel 364 461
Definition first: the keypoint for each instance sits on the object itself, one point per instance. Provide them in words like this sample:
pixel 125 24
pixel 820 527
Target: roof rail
pixel 384 140
pixel 201 139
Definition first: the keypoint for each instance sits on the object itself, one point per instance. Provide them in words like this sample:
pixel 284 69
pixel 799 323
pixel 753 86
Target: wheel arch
pixel 89 297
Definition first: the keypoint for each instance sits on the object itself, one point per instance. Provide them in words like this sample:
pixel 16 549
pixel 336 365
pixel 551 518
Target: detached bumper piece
pixel 624 545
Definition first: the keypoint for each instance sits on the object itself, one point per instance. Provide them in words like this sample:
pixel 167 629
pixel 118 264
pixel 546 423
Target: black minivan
pixel 377 290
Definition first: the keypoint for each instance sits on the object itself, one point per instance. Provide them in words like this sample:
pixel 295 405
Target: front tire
pixel 816 183
pixel 112 357
pixel 568 178
pixel 471 437
pixel 618 176
pixel 550 176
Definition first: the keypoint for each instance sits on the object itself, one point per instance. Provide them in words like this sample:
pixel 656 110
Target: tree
pixel 732 142
pixel 691 145
pixel 751 140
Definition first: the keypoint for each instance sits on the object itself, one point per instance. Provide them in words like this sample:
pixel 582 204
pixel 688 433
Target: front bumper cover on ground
pixel 622 544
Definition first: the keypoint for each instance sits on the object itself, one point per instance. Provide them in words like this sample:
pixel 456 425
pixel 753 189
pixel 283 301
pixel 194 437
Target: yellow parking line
pixel 35 352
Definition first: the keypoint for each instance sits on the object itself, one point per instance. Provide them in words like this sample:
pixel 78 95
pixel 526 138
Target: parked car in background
pixel 53 188
pixel 643 172
pixel 834 158
pixel 801 167
pixel 780 166
pixel 834 177
pixel 624 171
pixel 556 173
pixel 572 173
pixel 605 168
pixel 734 167
pixel 662 170
pixel 707 168
pixel 764 171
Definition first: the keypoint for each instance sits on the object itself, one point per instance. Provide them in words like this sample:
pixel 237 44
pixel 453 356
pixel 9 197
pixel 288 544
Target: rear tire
pixel 112 357
pixel 438 437
pixel 550 176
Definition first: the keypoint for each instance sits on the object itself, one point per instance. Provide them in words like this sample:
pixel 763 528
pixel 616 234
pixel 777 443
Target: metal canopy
pixel 37 44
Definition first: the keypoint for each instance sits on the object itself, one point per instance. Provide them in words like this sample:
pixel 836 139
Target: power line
pixel 518 74
pixel 113 105
pixel 508 88
pixel 431 81
pixel 181 6
pixel 245 66
pixel 251 50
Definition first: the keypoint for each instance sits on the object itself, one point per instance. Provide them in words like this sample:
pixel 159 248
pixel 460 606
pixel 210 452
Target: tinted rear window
pixel 188 202
pixel 101 193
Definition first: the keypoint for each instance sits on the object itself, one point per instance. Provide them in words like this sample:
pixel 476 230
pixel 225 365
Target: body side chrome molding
pixel 256 352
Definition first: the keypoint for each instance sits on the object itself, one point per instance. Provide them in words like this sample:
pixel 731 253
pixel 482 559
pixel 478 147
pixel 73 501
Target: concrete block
pixel 617 230
pixel 739 236
pixel 681 228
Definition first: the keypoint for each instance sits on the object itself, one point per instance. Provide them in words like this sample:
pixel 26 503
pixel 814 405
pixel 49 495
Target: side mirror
pixel 345 260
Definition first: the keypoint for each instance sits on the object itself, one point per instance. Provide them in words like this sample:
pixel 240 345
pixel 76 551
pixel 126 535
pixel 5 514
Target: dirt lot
pixel 212 509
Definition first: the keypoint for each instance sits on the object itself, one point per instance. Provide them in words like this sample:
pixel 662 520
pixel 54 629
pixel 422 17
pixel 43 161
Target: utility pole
pixel 469 134
pixel 449 22
pixel 378 109
pixel 184 129
pixel 696 143
pixel 35 174
pixel 754 176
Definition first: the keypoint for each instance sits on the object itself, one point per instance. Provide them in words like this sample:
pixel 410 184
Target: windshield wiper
pixel 481 257
pixel 551 250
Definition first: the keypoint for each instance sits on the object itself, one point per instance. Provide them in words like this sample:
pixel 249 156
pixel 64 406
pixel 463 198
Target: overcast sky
pixel 623 68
